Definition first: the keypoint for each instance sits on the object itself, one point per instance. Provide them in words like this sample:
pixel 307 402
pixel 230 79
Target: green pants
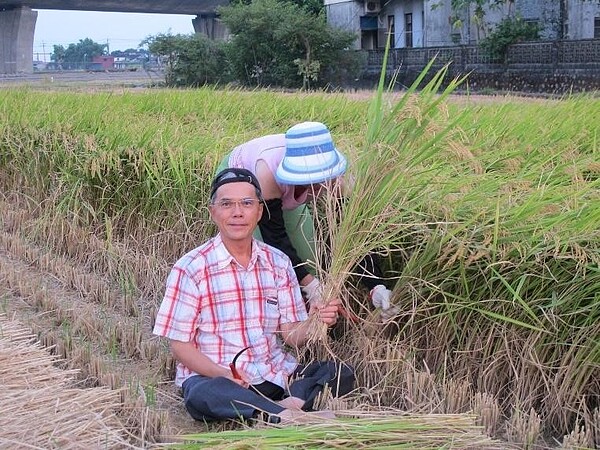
pixel 298 224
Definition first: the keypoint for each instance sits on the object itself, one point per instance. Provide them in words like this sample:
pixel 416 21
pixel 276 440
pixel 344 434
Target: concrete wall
pixel 463 27
pixel 546 13
pixel 580 19
pixel 542 67
pixel 16 40
pixel 438 29
pixel 346 16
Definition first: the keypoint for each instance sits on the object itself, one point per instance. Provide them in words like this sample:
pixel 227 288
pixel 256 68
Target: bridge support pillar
pixel 210 25
pixel 17 27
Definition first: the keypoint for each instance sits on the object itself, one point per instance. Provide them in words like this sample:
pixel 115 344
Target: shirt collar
pixel 224 258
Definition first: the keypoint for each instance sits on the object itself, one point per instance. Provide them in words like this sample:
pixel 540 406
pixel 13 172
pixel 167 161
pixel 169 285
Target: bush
pixel 509 31
pixel 190 60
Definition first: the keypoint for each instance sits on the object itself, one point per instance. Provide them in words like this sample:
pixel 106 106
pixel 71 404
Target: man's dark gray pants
pixel 220 398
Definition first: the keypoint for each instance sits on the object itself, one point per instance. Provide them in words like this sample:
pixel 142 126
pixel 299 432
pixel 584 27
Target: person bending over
pixel 292 169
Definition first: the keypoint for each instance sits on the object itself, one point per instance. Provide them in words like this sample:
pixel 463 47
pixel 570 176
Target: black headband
pixel 234 175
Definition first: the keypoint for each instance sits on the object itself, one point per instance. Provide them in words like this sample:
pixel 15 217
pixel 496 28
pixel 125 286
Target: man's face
pixel 236 211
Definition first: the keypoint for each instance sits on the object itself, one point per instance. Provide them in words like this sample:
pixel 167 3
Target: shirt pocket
pixel 271 311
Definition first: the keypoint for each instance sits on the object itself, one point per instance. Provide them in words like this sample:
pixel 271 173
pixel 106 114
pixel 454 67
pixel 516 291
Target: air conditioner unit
pixel 372 6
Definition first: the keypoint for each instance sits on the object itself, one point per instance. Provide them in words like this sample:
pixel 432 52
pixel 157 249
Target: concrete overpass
pixel 17 22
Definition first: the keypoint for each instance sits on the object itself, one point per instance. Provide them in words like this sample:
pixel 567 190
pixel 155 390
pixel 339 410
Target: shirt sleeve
pixel 178 314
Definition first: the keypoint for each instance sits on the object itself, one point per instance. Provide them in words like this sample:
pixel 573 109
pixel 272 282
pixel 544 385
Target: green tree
pixel 314 7
pixel 282 44
pixel 58 55
pixel 77 56
pixel 190 60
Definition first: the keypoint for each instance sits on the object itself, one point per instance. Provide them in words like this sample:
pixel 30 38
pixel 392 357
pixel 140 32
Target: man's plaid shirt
pixel 222 307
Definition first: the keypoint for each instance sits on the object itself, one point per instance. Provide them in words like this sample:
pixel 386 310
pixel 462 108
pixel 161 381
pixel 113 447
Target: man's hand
pixel 314 294
pixel 195 360
pixel 240 381
pixel 328 314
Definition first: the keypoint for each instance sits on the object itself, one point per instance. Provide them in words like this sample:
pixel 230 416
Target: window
pixel 408 30
pixel 392 31
pixel 596 27
pixel 368 23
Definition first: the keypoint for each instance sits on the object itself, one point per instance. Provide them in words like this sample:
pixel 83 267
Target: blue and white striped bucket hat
pixel 310 156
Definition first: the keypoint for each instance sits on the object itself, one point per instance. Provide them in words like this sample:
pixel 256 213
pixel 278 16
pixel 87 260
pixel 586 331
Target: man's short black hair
pixel 234 175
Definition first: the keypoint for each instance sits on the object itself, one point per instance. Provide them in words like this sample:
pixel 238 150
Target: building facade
pixel 431 23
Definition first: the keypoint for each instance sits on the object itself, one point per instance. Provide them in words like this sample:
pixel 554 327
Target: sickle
pixel 234 371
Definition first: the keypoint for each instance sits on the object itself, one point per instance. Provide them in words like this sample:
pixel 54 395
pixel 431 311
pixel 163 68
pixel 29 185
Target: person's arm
pixel 192 358
pixel 177 319
pixel 296 333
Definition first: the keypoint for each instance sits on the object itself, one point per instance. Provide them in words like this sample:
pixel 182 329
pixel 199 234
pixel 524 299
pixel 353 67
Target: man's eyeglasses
pixel 245 203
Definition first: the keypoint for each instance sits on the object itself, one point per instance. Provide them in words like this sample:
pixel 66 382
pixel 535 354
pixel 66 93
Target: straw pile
pixel 38 407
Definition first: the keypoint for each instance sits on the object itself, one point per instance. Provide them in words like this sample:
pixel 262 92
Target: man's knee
pixel 194 402
pixel 338 376
pixel 201 396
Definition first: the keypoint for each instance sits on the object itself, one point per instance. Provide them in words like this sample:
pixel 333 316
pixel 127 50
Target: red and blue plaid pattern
pixel 222 307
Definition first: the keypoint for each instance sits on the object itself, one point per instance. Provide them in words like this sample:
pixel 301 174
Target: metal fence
pixel 581 55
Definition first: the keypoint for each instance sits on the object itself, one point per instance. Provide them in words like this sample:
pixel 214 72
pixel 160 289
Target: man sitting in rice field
pixel 292 169
pixel 229 308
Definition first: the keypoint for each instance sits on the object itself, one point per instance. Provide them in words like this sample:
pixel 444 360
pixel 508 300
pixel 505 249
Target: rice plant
pixel 486 216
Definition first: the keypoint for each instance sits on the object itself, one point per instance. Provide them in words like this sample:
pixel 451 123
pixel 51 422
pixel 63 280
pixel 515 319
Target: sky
pixel 120 30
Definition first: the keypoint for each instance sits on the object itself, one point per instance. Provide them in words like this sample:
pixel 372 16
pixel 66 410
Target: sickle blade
pixel 234 371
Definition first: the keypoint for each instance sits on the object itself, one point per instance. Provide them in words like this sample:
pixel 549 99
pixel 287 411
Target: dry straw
pixel 40 408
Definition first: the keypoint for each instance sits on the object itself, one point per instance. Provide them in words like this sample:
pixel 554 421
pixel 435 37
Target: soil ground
pixel 142 79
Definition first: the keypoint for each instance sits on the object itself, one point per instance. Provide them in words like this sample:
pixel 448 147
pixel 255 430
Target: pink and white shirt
pixel 222 307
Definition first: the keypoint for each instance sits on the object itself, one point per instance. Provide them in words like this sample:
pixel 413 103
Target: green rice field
pixel 486 212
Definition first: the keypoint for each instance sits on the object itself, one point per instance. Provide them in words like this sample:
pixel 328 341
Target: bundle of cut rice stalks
pixel 387 187
pixel 367 430
pixel 38 406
